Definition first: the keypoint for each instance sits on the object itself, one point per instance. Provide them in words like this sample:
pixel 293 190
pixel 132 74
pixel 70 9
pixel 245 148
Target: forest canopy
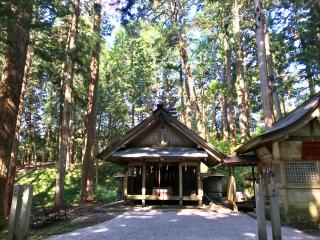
pixel 80 74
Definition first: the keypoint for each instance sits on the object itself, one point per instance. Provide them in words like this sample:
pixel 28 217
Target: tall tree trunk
pixel 183 111
pixel 241 84
pixel 310 79
pixel 272 78
pixel 224 115
pixel 227 62
pixel 261 50
pixel 192 99
pixel 203 102
pixel 86 193
pixel 66 114
pixel 188 111
pixel 97 148
pixel 71 152
pixel 15 147
pixel 18 29
pixel 214 120
pixel 132 115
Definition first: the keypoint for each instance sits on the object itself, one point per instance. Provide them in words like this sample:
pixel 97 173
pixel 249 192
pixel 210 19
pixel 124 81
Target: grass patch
pixel 44 179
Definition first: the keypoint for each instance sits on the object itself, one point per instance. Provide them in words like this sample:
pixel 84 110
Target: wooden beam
pixel 143 184
pixel 303 138
pixel 155 197
pixel 180 184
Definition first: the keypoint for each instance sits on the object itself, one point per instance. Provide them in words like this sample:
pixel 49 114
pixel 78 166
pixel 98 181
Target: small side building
pixel 290 156
pixel 161 159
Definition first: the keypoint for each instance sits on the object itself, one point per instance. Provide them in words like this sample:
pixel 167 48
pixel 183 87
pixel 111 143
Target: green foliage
pixel 44 184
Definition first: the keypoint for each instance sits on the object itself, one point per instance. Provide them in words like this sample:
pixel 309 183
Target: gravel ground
pixel 185 224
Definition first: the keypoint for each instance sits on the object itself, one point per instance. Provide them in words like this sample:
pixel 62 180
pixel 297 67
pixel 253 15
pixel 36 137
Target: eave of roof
pixel 148 152
pixel 294 120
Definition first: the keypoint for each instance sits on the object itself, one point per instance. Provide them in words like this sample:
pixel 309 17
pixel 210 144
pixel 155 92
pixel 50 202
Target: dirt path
pixel 186 224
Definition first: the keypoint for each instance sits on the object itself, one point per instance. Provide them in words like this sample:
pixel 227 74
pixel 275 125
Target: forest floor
pixel 79 216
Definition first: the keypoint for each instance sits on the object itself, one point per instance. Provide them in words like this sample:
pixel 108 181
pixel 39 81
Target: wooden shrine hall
pixel 162 159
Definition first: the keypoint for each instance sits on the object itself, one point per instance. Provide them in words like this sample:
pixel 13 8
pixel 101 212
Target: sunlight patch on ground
pixel 101 230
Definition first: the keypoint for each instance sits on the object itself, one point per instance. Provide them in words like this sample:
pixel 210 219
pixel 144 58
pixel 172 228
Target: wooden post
pixel 15 211
pixel 253 181
pixel 180 184
pixel 25 211
pixel 199 180
pixel 231 191
pixel 274 212
pixel 125 185
pixel 143 184
pixel 260 211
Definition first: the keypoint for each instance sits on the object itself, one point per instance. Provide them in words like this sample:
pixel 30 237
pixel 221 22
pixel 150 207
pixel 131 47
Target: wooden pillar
pixel 20 212
pixel 231 190
pixel 15 212
pixel 143 184
pixel 260 211
pixel 125 185
pixel 180 184
pixel 199 180
pixel 274 212
pixel 25 211
pixel 253 181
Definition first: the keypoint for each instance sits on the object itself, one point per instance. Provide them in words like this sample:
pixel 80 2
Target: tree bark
pixel 18 30
pixel 86 193
pixel 228 76
pixel 11 172
pixel 68 74
pixel 241 84
pixel 261 50
pixel 272 78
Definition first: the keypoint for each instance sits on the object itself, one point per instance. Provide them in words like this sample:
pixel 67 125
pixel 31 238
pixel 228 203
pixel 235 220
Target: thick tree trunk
pixel 272 78
pixel 261 50
pixel 88 150
pixel 15 147
pixel 228 76
pixel 66 113
pixel 18 29
pixel 241 84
